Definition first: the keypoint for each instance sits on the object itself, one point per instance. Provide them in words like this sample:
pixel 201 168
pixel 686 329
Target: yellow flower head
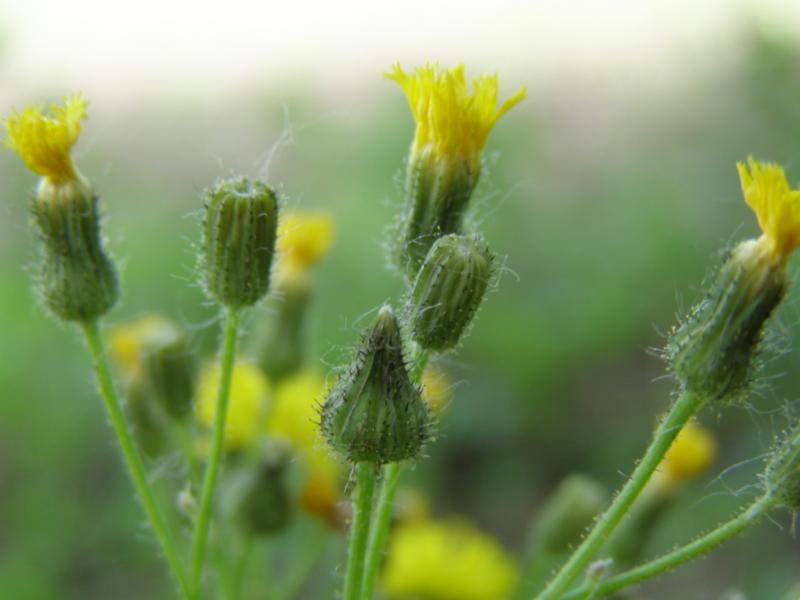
pixel 304 238
pixel 691 453
pixel 436 388
pixel 246 404
pixel 776 205
pixel 43 138
pixel 127 340
pixel 447 560
pixel 450 119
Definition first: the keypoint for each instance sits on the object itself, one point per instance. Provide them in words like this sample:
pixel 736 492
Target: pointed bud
pixel 78 280
pixel 375 413
pixel 782 475
pixel 713 352
pixel 448 290
pixel 265 505
pixel 240 230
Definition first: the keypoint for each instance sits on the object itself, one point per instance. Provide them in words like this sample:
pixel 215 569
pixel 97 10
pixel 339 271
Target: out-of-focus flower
pixel 128 340
pixel 436 388
pixel 249 395
pixel 304 238
pixel 691 454
pixel 446 560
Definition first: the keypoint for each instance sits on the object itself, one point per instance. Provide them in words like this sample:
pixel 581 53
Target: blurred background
pixel 610 192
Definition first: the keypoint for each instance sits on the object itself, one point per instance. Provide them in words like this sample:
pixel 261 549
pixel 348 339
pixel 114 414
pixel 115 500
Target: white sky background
pixel 135 50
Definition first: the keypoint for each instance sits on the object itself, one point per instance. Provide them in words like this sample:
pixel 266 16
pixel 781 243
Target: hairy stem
pixel 133 460
pixel 747 517
pixel 359 528
pixel 682 409
pixel 215 458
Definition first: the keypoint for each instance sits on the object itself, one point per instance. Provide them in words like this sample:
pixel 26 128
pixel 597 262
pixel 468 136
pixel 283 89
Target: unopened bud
pixel 712 353
pixel 169 371
pixel 240 230
pixel 569 512
pixel 78 280
pixel 782 475
pixel 448 290
pixel 265 506
pixel 375 413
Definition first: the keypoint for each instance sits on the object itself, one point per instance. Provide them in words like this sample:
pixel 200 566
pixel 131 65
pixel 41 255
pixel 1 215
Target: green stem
pixel 241 567
pixel 132 458
pixel 747 517
pixel 682 409
pixel 215 458
pixel 359 528
pixel 383 512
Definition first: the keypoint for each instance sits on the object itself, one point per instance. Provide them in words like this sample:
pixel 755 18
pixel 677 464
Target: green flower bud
pixel 148 425
pixel 265 506
pixel 712 353
pixel 438 190
pixel 448 290
pixel 782 475
pixel 169 371
pixel 375 413
pixel 77 279
pixel 240 230
pixel 281 349
pixel 569 512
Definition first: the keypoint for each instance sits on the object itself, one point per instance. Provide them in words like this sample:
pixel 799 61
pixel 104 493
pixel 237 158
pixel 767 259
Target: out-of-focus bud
pixel 78 281
pixel 265 506
pixel 374 413
pixel 567 514
pixel 448 290
pixel 713 352
pixel 444 164
pixel 240 228
pixel 169 373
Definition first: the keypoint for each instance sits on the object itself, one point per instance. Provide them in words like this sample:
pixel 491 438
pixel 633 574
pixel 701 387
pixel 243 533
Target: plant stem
pixel 133 460
pixel 747 517
pixel 359 528
pixel 682 409
pixel 215 458
pixel 383 513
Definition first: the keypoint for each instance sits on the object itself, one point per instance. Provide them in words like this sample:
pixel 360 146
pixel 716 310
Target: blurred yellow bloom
pixel 43 138
pixel 304 238
pixel 293 418
pixel 446 560
pixel 246 405
pixel 692 453
pixel 450 119
pixel 436 388
pixel 776 205
pixel 127 339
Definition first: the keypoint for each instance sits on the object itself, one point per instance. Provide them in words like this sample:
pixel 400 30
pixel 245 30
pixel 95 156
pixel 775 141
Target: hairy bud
pixel 782 475
pixel 375 413
pixel 448 290
pixel 240 230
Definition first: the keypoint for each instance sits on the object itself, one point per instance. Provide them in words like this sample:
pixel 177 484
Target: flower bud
pixel 374 413
pixel 712 353
pixel 265 505
pixel 569 512
pixel 782 475
pixel 448 290
pixel 169 371
pixel 77 279
pixel 240 230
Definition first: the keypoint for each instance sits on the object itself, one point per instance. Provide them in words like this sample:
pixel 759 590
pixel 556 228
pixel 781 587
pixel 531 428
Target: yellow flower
pixel 450 119
pixel 691 453
pixel 436 388
pixel 128 339
pixel 43 138
pixel 446 560
pixel 304 238
pixel 776 205
pixel 246 405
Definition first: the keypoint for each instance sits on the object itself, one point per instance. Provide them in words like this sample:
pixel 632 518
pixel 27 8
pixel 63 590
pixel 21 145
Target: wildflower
pixel 304 238
pixel 78 281
pixel 691 454
pixel 713 351
pixel 374 413
pixel 436 388
pixel 444 164
pixel 446 560
pixel 247 403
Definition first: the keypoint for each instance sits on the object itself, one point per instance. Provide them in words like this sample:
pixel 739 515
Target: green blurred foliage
pixel 610 209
